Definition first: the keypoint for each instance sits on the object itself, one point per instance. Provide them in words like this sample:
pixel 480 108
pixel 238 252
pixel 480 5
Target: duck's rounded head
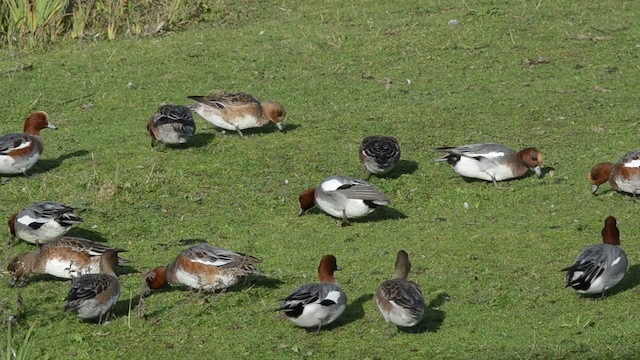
pixel 599 174
pixel 19 267
pixel 275 112
pixel 156 278
pixel 532 158
pixel 306 200
pixel 328 265
pixel 37 121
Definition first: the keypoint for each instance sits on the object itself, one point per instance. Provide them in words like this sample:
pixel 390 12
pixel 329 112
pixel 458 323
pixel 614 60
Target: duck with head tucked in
pixel 379 154
pixel 42 222
pixel 171 125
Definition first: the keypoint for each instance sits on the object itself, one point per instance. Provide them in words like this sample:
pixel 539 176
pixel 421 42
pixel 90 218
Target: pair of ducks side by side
pixel 174 124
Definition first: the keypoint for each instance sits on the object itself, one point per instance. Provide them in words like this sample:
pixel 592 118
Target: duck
pixel 599 267
pixel 238 111
pixel 66 258
pixel 491 161
pixel 379 154
pixel 400 301
pixel 20 152
pixel 171 125
pixel 317 304
pixel 624 176
pixel 204 267
pixel 94 295
pixel 42 222
pixel 343 197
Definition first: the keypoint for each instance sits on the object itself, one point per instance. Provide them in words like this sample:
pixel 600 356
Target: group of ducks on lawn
pixel 95 287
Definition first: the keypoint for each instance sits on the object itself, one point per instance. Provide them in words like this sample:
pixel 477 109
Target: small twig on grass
pixel 153 166
pixel 80 98
pixel 129 313
pixel 33 104
pixel 18 69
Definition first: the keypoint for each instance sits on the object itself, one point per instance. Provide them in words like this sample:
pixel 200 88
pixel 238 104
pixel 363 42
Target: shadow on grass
pixel 353 312
pixel 43 166
pixel 403 167
pixel 267 129
pixel 433 317
pixel 382 214
pixel 86 234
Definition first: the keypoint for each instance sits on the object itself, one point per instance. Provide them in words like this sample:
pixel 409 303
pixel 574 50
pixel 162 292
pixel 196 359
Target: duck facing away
pixel 379 154
pixel 238 111
pixel 317 304
pixel 171 125
pixel 42 222
pixel 94 295
pixel 67 258
pixel 624 176
pixel 599 267
pixel 19 152
pixel 400 301
pixel 205 267
pixel 343 197
pixel 491 162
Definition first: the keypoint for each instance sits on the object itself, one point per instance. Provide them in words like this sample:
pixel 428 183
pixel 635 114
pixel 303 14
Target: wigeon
pixel 205 267
pixel 343 197
pixel 171 125
pixel 67 258
pixel 491 162
pixel 400 301
pixel 317 304
pixel 94 295
pixel 624 176
pixel 599 267
pixel 19 152
pixel 43 222
pixel 238 111
pixel 379 154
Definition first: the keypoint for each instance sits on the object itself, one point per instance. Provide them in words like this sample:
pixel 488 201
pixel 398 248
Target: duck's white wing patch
pixel 331 185
pixel 489 155
pixel 212 262
pixel 26 220
pixel 333 295
pixel 632 164
pixel 22 145
pixel 617 260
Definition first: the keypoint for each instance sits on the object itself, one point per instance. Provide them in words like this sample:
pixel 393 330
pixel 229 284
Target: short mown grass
pixel 561 77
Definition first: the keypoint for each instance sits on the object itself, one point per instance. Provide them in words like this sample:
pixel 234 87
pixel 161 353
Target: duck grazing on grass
pixel 624 176
pixel 491 162
pixel 379 154
pixel 205 267
pixel 171 125
pixel 238 111
pixel 67 258
pixel 400 301
pixel 343 197
pixel 317 304
pixel 94 295
pixel 599 267
pixel 42 222
pixel 19 152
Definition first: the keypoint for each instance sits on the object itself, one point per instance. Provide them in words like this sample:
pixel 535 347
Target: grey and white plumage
pixel 344 198
pixel 379 154
pixel 317 304
pixel 94 295
pixel 171 124
pixel 20 152
pixel 43 222
pixel 599 267
pixel 491 162
pixel 400 301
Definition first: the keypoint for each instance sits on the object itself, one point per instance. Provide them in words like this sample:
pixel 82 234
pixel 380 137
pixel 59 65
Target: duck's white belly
pixel 315 314
pixel 67 269
pixel 7 165
pixel 352 208
pixel 473 168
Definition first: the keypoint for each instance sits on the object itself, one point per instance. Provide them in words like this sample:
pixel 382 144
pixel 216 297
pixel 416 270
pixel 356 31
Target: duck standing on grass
pixel 95 295
pixel 317 304
pixel 171 125
pixel 343 197
pixel 599 267
pixel 624 176
pixel 42 222
pixel 205 267
pixel 19 152
pixel 400 301
pixel 379 154
pixel 491 162
pixel 238 111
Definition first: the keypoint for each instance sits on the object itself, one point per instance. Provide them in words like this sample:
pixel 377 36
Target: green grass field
pixel 561 77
